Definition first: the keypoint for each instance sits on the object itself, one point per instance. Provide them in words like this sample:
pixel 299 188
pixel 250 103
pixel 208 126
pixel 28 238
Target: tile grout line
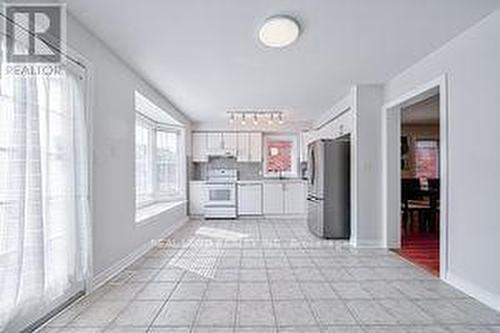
pixel 357 261
pixel 129 301
pixel 238 282
pixel 336 293
pixel 198 308
pixel 306 298
pixel 169 295
pixel 273 307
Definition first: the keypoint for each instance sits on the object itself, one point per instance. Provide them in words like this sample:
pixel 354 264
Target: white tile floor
pixel 271 276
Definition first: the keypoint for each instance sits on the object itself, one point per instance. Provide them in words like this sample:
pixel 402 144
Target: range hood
pixel 222 153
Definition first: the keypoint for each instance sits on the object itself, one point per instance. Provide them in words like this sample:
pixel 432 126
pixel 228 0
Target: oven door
pixel 221 195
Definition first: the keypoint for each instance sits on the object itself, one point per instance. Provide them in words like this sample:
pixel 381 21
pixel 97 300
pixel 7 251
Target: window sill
pixel 146 214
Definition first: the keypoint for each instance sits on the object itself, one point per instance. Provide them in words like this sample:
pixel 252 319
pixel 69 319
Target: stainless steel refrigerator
pixel 329 192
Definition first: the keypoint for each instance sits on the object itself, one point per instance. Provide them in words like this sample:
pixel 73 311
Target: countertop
pixel 272 180
pixel 261 181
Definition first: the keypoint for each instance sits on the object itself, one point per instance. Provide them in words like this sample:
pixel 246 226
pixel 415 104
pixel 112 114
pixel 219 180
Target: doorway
pixel 420 184
pixel 415 176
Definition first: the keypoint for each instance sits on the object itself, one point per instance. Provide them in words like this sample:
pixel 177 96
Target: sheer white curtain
pixel 44 220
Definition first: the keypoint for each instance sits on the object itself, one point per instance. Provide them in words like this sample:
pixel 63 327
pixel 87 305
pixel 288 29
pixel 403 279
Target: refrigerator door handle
pixel 313 166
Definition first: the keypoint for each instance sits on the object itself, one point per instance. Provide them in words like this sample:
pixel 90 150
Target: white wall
pixel 359 114
pixel 472 64
pixel 368 165
pixel 115 233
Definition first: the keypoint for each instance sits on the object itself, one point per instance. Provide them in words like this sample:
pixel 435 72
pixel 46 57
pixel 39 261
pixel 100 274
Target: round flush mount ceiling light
pixel 279 31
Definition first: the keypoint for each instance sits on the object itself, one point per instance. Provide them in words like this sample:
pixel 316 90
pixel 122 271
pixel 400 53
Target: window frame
pixel 294 140
pixel 416 149
pixel 153 128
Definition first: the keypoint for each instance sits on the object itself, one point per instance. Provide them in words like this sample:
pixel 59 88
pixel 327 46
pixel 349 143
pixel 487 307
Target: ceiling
pixel 204 56
pixel 425 112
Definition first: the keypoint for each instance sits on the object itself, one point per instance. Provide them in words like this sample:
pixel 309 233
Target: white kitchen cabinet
pixel 243 153
pixel 335 128
pixel 197 197
pixel 255 149
pixel 285 198
pixel 249 199
pixel 249 147
pixel 214 142
pixel 230 141
pixel 199 147
pixel 273 198
pixel 295 201
pixel 305 139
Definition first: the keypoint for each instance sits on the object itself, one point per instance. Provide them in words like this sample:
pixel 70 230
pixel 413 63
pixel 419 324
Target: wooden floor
pixel 422 249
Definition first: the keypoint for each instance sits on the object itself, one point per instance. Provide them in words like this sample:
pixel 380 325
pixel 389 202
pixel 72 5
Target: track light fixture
pixel 257 117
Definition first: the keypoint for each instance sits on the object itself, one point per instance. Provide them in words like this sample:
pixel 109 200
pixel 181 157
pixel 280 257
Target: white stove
pixel 221 194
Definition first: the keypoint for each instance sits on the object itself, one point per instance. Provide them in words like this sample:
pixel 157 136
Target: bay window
pixel 158 161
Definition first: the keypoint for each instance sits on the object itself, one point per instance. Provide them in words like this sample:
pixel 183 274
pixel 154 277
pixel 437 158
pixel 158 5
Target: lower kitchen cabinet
pixel 197 197
pixel 273 198
pixel 285 198
pixel 249 199
pixel 295 198
pixel 266 198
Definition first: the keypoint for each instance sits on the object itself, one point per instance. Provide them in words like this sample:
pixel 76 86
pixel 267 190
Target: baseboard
pixel 474 291
pixel 360 243
pixel 101 278
pixel 392 245
pixel 285 216
pixel 253 217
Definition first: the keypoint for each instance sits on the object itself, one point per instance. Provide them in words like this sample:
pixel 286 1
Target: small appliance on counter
pixel 328 197
pixel 221 194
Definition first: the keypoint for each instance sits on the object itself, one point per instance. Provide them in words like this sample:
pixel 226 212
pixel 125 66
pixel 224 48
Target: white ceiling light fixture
pixel 256 117
pixel 279 31
pixel 280 118
pixel 271 119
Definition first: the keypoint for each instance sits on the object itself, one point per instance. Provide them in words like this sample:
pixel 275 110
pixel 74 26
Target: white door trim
pixel 391 187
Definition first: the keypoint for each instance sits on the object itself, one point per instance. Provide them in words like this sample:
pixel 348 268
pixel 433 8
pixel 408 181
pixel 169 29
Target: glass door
pixel 44 197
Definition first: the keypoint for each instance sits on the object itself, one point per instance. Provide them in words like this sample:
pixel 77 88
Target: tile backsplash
pixel 246 171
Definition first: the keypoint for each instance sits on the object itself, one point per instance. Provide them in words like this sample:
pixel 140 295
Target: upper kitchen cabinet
pixel 243 152
pixel 246 147
pixel 305 139
pixel 255 147
pixel 339 126
pixel 214 142
pixel 230 141
pixel 249 147
pixel 199 145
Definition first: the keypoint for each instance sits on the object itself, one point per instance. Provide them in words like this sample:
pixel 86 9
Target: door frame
pixel 391 161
